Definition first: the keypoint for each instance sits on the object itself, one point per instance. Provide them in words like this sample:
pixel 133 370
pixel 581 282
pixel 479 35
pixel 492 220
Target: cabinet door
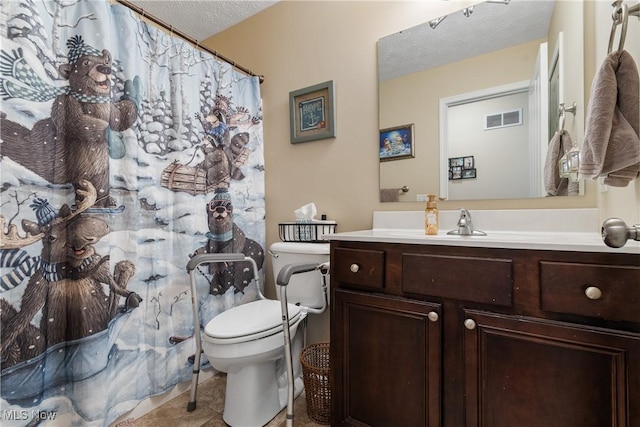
pixel 386 357
pixel 530 373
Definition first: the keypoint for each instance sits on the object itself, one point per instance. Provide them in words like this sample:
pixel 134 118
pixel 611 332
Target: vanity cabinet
pixel 405 338
pixel 436 335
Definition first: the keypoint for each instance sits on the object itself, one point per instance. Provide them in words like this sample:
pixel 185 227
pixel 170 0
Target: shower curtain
pixel 124 152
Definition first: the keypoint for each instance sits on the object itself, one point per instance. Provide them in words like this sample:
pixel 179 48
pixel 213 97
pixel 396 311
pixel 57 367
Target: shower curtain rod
pixel 190 39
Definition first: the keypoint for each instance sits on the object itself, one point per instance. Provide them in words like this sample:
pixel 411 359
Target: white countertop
pixel 569 230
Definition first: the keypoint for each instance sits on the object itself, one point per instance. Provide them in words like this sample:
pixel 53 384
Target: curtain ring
pixel 623 11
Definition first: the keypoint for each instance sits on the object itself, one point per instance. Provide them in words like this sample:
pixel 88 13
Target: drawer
pixel 606 291
pixel 360 267
pixel 482 280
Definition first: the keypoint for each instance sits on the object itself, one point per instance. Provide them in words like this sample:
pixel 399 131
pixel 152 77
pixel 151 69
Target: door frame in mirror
pixel 452 101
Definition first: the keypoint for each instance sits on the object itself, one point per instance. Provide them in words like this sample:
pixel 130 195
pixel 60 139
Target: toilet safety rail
pixel 284 276
pixel 192 267
pixel 283 280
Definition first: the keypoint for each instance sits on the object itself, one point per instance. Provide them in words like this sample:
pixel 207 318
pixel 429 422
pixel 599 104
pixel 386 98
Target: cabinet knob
pixel 354 268
pixel 593 292
pixel 470 324
pixel 433 316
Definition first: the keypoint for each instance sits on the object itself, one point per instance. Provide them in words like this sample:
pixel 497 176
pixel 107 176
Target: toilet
pixel 247 341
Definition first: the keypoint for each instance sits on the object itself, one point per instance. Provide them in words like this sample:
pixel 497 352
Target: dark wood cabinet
pixel 391 355
pixel 526 372
pixel 426 335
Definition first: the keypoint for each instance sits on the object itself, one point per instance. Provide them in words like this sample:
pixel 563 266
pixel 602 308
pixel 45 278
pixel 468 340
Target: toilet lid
pixel 256 317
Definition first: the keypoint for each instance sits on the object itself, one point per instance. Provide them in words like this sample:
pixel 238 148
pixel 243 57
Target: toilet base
pixel 257 392
pixel 250 399
pixel 249 403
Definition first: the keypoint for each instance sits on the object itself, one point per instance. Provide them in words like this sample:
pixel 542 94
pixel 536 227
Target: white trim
pixel 539 121
pixel 557 60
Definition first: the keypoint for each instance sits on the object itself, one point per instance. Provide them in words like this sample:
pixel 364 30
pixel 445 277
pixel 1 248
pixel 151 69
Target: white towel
pixel 612 144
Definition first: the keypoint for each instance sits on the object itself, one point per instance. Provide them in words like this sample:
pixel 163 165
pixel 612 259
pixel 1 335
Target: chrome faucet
pixel 465 225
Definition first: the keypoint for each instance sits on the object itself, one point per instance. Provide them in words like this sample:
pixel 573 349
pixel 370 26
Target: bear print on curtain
pixel 125 151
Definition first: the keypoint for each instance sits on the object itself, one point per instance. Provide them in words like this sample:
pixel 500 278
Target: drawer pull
pixel 433 316
pixel 354 268
pixel 593 292
pixel 470 324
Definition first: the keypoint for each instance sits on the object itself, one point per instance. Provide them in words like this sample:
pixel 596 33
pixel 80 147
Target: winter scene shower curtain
pixel 125 151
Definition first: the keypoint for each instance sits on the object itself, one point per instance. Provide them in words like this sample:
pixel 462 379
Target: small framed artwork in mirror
pixel 455 172
pixel 467 162
pixel 462 168
pixel 456 162
pixel 312 113
pixel 396 143
pixel 468 173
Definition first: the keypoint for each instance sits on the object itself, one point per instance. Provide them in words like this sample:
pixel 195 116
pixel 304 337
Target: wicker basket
pixel 315 374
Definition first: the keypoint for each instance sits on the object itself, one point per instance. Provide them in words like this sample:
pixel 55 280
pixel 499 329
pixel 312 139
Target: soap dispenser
pixel 431 216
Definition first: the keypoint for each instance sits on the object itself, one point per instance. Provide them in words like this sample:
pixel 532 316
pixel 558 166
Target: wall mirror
pixel 481 88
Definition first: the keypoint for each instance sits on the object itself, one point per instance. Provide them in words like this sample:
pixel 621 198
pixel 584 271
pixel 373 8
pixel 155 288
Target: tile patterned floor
pixel 208 413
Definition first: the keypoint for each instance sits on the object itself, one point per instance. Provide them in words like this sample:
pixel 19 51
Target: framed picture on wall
pixel 468 173
pixel 467 162
pixel 312 113
pixel 396 143
pixel 455 172
pixel 456 162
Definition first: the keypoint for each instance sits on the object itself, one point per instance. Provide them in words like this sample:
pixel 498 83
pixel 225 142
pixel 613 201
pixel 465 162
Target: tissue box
pixel 309 231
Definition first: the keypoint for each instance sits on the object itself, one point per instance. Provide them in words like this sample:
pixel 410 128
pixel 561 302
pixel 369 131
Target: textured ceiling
pixel 490 26
pixel 204 18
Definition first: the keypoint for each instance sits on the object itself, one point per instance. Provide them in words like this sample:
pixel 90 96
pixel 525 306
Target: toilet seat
pixel 250 321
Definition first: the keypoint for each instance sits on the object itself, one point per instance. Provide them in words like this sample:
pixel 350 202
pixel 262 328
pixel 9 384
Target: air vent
pixel 501 120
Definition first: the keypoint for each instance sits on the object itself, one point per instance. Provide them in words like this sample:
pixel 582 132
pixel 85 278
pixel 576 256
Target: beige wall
pixel 296 44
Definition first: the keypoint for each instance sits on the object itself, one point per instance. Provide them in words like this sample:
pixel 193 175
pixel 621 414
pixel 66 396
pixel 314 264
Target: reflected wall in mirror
pixel 451 77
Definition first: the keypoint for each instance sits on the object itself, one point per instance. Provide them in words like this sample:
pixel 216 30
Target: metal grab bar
pixel 192 266
pixel 284 276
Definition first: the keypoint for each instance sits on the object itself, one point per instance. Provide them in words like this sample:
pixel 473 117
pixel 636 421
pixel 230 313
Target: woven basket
pixel 315 374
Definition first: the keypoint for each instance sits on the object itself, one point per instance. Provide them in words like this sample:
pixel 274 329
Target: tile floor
pixel 208 413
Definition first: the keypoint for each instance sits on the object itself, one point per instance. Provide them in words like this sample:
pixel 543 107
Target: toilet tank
pixel 303 288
